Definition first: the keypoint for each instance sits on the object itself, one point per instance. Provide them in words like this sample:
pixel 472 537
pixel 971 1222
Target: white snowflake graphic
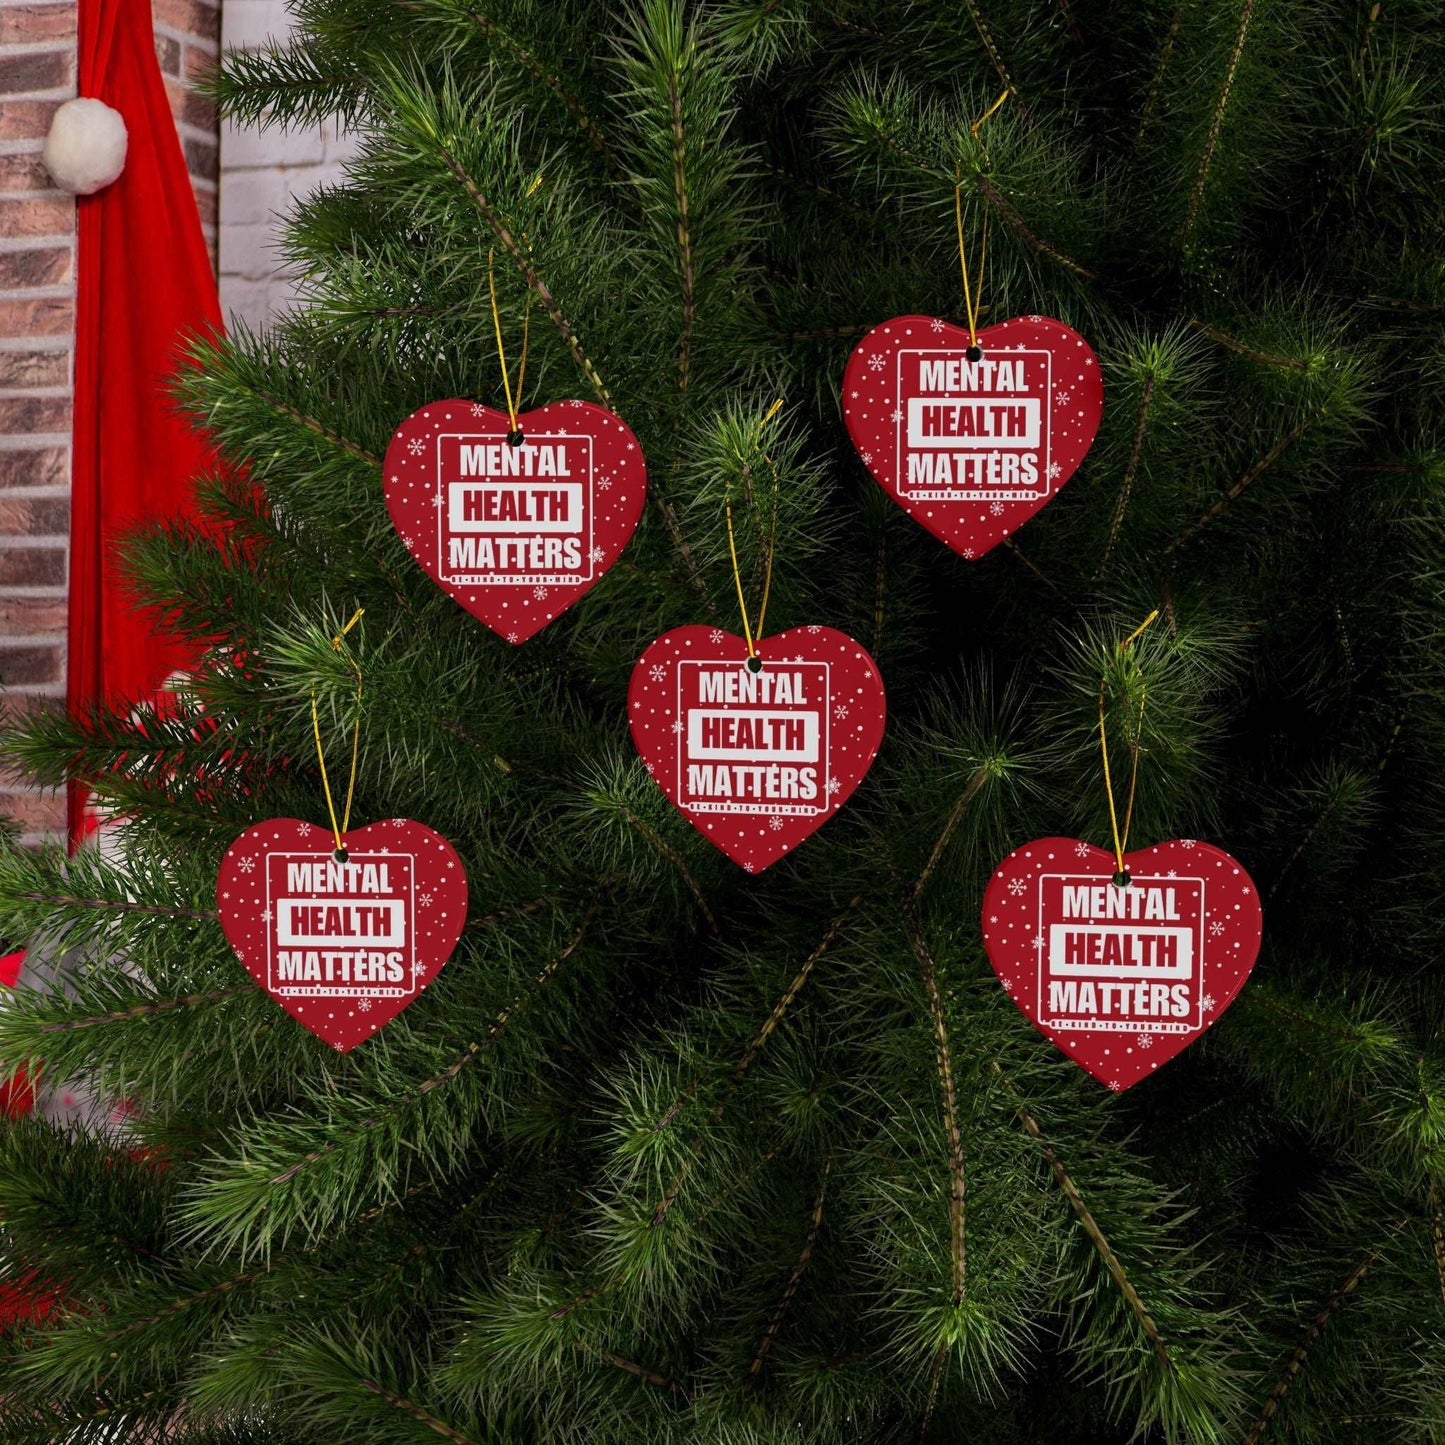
pixel 1189 842
pixel 867 458
pixel 595 554
pixel 935 325
pixel 363 1005
pixel 841 711
pixel 1145 1041
pixel 968 553
pixel 425 900
pixel 539 593
pixel 1063 396
pixel 716 635
pixel 1053 471
pixel 416 446
pixel 897 413
pixel 247 865
pixel 1216 929
pixel 1206 1002
pixel 775 823
pixel 604 484
pixel 478 409
pixel 1040 943
pixel 1172 873
pixel 1082 849
pixel 657 672
pixel 814 629
pixel 511 637
pixel 1016 887
pixel 876 362
pixel 436 501
pixel 265 915
pixel 678 729
pixel 995 509
pixel 834 786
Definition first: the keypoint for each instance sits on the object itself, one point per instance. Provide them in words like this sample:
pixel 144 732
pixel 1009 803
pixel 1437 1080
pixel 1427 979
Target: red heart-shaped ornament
pixel 515 533
pixel 758 760
pixel 342 947
pixel 1121 978
pixel 972 448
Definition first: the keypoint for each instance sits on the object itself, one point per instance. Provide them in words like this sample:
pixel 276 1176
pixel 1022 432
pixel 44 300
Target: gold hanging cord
pixel 338 830
pixel 749 633
pixel 512 399
pixel 1121 841
pixel 973 295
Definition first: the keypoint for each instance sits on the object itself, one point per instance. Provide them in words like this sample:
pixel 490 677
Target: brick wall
pixel 188 40
pixel 262 173
pixel 37 294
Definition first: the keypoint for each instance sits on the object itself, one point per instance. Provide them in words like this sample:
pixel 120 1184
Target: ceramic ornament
pixel 756 761
pixel 515 531
pixel 1121 978
pixel 343 947
pixel 972 447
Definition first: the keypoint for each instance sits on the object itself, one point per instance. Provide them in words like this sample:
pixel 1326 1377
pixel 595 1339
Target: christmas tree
pixel 671 1151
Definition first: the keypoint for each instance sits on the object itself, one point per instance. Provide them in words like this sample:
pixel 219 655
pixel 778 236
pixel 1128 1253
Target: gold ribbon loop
pixel 973 295
pixel 501 350
pixel 748 633
pixel 338 830
pixel 1121 841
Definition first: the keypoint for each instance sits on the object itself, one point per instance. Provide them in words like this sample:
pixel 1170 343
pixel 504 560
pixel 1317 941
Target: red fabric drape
pixel 17 1097
pixel 143 284
pixel 17 1094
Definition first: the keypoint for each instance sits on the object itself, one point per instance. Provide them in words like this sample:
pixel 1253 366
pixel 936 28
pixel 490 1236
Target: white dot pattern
pixel 1062 378
pixel 517 604
pixel 831 724
pixel 1218 907
pixel 424 898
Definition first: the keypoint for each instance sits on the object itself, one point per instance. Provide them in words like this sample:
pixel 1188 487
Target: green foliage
pixel 673 1153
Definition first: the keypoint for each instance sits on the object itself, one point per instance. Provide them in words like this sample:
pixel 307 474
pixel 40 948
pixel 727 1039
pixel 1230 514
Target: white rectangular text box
pixel 476 506
pixel 371 922
pixel 1182 967
pixel 777 727
pixel 933 421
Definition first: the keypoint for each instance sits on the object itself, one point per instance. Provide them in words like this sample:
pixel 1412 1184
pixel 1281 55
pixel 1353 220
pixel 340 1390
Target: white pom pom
pixel 85 150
